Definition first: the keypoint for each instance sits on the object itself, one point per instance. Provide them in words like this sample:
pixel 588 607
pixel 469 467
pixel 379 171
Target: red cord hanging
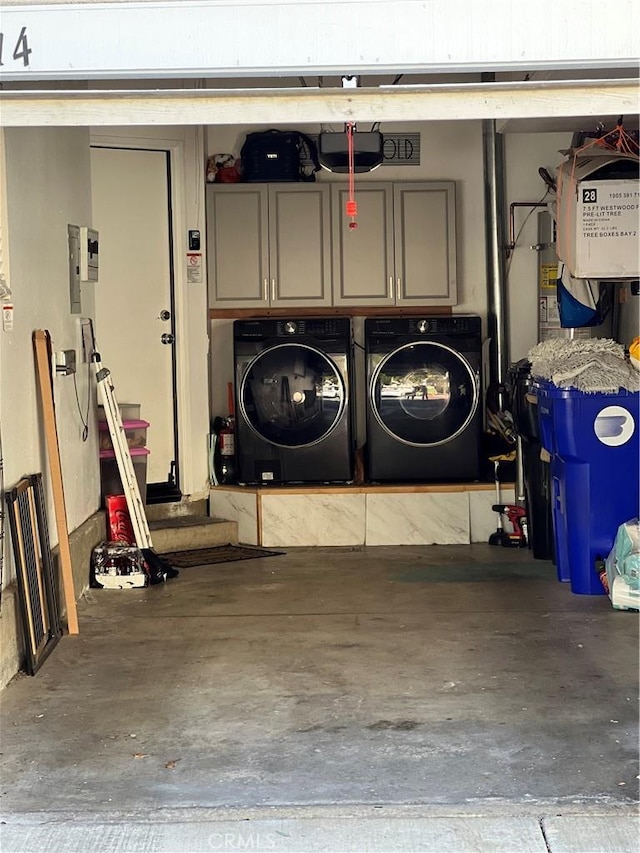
pixel 351 205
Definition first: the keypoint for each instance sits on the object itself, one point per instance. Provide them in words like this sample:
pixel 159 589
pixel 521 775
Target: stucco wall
pixel 47 187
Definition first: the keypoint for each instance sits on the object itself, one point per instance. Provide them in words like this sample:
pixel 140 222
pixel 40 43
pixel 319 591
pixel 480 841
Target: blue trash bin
pixel 548 442
pixel 594 442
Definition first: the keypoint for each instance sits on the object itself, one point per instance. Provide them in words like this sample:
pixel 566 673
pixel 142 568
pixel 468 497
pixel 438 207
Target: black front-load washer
pixel 424 418
pixel 294 418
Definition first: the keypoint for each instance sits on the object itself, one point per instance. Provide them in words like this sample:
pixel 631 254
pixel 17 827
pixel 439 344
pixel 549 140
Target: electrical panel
pixel 74 269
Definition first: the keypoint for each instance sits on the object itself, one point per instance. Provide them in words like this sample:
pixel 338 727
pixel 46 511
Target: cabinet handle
pixel 398 290
pixel 265 283
pixel 273 290
pixel 390 287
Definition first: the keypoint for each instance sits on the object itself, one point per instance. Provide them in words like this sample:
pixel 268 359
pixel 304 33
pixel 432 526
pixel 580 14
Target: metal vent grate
pixel 34 568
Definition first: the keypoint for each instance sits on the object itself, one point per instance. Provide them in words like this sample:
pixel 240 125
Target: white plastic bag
pixel 623 567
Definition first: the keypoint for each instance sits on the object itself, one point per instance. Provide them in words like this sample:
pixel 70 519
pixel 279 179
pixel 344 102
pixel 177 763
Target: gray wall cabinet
pixel 404 249
pixel 290 245
pixel 268 245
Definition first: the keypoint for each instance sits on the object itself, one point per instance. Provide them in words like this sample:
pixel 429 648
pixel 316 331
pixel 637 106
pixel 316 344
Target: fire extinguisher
pixel 224 455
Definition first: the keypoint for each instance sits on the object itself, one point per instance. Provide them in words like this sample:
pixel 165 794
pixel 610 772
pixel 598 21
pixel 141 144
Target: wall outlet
pixel 66 362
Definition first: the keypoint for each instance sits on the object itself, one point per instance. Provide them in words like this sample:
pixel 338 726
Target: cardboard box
pixel 598 215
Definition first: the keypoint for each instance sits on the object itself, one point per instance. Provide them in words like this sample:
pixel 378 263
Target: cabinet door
pixel 237 245
pixel 299 245
pixel 425 243
pixel 363 270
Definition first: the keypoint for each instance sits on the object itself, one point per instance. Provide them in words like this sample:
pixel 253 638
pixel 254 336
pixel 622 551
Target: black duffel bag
pixel 278 155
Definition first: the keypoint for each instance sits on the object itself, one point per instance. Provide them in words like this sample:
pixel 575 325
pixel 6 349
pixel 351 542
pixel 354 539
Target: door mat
pixel 219 554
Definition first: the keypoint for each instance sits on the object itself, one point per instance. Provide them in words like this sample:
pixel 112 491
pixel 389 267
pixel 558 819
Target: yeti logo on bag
pixel 277 155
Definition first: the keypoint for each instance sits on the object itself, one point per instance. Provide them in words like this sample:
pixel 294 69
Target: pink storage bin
pixel 135 430
pixel 110 476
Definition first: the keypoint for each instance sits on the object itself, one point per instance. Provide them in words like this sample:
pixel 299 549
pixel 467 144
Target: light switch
pixel 7 316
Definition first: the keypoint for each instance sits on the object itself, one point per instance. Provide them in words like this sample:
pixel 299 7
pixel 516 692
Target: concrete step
pixel 187 532
pixel 173 509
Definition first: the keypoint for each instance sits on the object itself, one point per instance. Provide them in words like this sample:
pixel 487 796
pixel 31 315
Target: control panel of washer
pixel 313 327
pixel 443 325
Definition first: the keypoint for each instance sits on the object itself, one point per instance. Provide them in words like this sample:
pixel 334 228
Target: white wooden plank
pixel 310 105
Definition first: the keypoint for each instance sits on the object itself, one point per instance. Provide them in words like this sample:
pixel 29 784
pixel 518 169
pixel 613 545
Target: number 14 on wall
pixel 21 49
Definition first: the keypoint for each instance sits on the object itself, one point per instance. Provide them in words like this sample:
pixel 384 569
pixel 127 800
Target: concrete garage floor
pixel 417 698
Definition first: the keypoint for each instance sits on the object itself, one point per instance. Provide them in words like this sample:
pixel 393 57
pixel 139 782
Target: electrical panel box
pixel 75 296
pixel 89 254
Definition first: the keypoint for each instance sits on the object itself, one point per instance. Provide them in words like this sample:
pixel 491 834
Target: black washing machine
pixel 424 413
pixel 293 412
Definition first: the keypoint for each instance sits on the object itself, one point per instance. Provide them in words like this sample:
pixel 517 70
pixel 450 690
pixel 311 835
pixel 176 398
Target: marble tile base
pixel 303 520
pixel 418 519
pixel 241 507
pixel 278 519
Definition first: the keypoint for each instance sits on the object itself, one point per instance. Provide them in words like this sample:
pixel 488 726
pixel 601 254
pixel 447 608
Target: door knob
pixel 167 338
pixel 165 315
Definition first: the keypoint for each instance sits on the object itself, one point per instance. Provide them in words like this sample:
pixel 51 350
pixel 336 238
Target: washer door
pixel 423 394
pixel 293 395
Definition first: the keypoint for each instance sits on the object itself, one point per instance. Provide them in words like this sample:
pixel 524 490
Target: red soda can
pixel 119 527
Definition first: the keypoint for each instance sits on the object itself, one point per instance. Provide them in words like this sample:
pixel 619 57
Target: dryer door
pixel 293 395
pixel 424 393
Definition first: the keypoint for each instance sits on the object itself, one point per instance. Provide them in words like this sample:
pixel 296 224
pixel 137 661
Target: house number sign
pixel 21 49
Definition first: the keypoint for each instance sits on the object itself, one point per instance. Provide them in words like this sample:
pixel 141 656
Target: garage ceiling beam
pixel 308 105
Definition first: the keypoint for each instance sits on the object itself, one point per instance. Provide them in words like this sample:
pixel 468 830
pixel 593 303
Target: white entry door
pixel 134 323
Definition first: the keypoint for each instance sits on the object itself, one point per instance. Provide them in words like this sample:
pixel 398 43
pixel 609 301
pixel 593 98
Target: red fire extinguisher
pixel 224 457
